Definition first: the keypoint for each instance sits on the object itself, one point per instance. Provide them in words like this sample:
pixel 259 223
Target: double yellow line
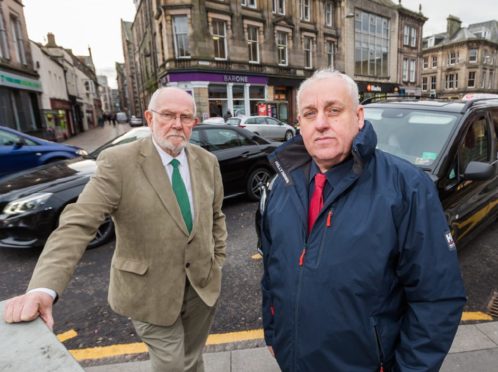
pixel 100 352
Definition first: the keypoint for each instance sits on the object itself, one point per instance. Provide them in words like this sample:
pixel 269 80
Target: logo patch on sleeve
pixel 449 240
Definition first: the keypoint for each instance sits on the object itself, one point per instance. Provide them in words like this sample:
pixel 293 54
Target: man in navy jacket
pixel 360 270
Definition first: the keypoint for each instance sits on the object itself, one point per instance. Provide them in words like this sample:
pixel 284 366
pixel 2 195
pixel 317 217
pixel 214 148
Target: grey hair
pixel 157 93
pixel 327 73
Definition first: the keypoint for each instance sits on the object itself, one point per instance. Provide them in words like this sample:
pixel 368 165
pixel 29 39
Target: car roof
pixel 455 106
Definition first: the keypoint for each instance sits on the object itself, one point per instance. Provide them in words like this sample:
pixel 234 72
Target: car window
pixel 195 138
pixel 251 121
pixel 130 136
pixel 494 116
pixel 233 121
pixel 10 139
pixel 272 121
pixel 415 135
pixel 261 121
pixel 219 139
pixel 475 144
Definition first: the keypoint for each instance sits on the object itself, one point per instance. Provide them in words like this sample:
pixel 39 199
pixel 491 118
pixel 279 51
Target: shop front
pixel 19 102
pixel 221 95
pixel 376 90
pixel 58 120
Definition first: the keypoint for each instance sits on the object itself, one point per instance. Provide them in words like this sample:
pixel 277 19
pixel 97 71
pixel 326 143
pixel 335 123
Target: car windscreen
pixel 416 135
pixel 130 136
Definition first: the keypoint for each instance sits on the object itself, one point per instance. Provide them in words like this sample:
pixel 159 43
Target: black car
pixel 31 201
pixel 456 143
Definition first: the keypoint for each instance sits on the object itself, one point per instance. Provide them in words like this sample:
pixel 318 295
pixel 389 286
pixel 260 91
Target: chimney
pixel 51 40
pixel 453 25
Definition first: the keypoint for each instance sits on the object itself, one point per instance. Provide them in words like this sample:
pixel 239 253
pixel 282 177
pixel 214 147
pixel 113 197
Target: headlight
pixel 81 152
pixel 27 204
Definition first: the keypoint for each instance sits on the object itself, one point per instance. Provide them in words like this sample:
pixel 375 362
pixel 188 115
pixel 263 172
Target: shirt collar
pixel 334 174
pixel 166 158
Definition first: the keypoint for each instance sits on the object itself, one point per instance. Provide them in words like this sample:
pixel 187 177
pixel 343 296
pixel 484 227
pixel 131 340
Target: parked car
pixel 265 126
pixel 136 122
pixel 31 202
pixel 456 143
pixel 121 117
pixel 20 151
pixel 214 120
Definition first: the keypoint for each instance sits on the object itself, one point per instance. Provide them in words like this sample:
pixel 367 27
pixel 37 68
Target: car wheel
pixel 257 177
pixel 104 233
pixel 288 135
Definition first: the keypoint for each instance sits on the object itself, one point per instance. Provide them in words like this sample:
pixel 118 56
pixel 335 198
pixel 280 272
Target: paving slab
pixel 121 367
pixel 217 362
pixel 475 361
pixel 254 360
pixel 491 330
pixel 28 347
pixel 468 338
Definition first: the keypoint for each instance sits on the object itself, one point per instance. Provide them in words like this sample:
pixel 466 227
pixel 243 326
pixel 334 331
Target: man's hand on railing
pixel 28 307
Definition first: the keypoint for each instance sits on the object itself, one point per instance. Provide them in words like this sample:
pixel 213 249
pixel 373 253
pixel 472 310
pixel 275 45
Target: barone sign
pixel 235 79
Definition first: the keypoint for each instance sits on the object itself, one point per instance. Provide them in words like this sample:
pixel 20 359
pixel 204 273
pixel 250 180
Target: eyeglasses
pixel 169 117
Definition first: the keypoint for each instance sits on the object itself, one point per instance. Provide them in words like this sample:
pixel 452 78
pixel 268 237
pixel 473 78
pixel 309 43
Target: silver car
pixel 265 126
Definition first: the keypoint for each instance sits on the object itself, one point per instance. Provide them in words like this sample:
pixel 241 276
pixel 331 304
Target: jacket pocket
pixel 130 265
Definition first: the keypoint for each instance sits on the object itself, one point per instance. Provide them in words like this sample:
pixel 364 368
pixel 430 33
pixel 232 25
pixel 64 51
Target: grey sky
pixel 469 11
pixel 78 24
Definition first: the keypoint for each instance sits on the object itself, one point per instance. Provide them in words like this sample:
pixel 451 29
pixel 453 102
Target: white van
pixel 121 117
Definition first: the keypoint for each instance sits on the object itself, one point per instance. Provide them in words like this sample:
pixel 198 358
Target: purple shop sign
pixel 177 77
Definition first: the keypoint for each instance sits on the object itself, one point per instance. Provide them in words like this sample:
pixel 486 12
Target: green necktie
pixel 181 194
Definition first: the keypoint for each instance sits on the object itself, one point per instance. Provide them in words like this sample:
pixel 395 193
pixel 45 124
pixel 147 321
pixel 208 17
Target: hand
pixel 28 307
pixel 270 349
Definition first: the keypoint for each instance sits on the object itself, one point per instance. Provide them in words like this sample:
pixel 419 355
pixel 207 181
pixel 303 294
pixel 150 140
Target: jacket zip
pixel 379 349
pixel 298 293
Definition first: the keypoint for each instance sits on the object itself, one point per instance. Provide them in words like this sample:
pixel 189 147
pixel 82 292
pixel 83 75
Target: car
pixel 265 126
pixel 20 151
pixel 214 120
pixel 454 142
pixel 136 121
pixel 31 202
pixel 121 117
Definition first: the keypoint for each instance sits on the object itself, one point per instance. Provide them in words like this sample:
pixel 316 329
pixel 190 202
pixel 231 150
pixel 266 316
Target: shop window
pixel 217 96
pixel 256 94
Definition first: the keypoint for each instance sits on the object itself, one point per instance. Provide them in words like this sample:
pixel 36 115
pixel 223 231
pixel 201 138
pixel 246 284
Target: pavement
pixel 475 347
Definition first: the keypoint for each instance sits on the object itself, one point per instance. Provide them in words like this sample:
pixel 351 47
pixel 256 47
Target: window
pixel 4 45
pixel 282 48
pixel 180 37
pixel 434 61
pixel 218 139
pixel 412 70
pixel 413 37
pixel 329 14
pixel 252 43
pixel 308 52
pixel 424 83
pixel 472 79
pixel 18 40
pixel 405 69
pixel 473 55
pixel 426 62
pixel 491 79
pixel 406 35
pixel 483 78
pixel 305 6
pixel 475 145
pixel 371 44
pixel 249 3
pixel 217 97
pixel 433 83
pixel 219 39
pixel 452 58
pixel 451 81
pixel 278 7
pixel 329 50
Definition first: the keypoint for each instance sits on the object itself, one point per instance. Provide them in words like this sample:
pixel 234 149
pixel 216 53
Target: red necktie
pixel 316 202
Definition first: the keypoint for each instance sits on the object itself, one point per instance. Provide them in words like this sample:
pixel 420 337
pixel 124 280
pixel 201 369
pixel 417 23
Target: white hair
pixel 327 73
pixel 157 93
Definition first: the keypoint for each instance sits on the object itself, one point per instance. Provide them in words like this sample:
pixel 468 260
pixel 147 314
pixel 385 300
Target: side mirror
pixel 19 143
pixel 479 171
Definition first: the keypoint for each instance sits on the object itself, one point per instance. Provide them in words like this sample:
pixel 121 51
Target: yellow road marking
pixel 67 335
pixel 475 315
pixel 257 256
pixel 213 339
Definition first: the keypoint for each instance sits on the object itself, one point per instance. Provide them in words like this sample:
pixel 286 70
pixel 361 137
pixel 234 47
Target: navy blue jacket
pixel 376 285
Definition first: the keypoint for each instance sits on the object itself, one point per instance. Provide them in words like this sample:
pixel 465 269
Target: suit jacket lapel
pixel 156 175
pixel 195 179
